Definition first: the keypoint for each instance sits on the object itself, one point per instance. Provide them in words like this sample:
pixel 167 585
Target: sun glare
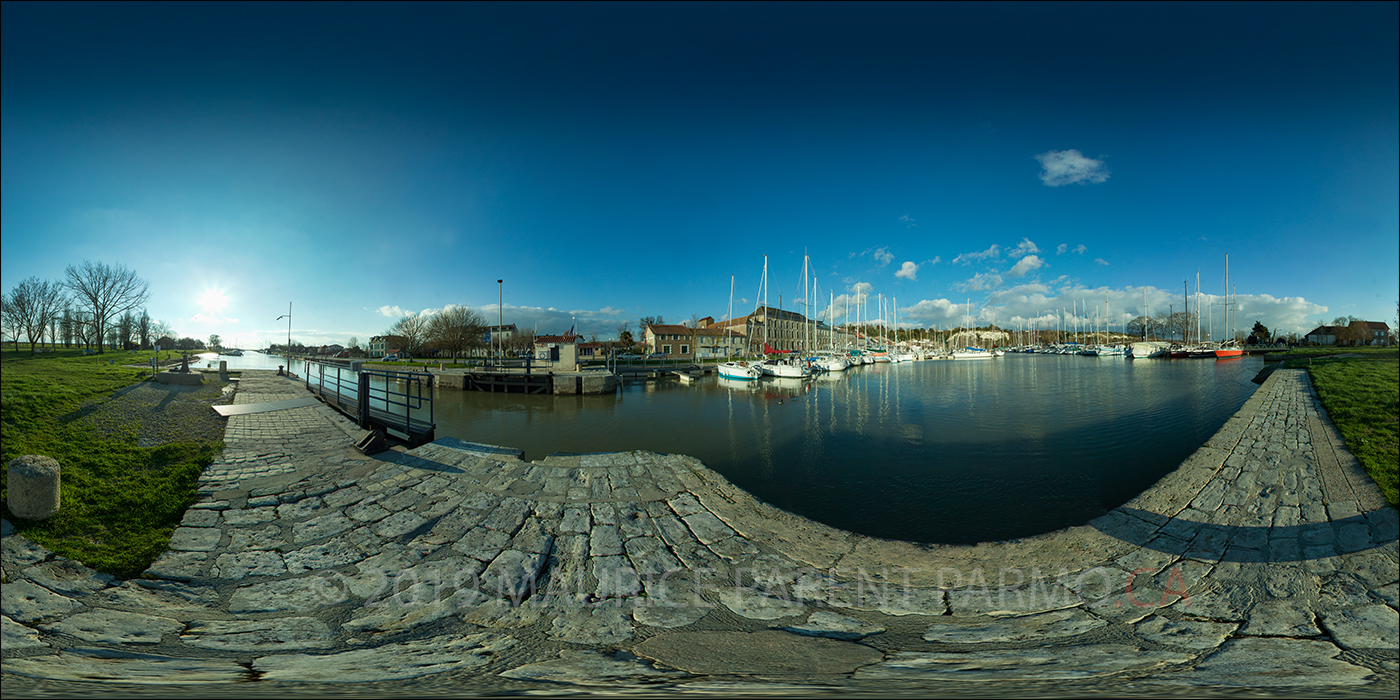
pixel 212 301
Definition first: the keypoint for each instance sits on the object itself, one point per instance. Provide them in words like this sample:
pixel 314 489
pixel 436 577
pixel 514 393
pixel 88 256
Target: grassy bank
pixel 120 500
pixel 1361 394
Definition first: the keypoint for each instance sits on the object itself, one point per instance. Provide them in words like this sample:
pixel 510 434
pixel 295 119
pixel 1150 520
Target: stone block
pixel 33 486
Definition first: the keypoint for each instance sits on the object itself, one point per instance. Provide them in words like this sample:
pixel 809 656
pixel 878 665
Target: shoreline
pixel 1262 561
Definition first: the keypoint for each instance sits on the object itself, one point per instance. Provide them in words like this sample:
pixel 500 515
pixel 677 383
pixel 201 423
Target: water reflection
pixel 953 452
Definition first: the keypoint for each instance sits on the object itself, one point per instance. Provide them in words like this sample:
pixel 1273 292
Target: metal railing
pixel 386 399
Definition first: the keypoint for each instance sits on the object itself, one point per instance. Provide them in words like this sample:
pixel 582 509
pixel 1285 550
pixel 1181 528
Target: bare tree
pixel 413 330
pixel 456 329
pixel 106 292
pixel 31 307
pixel 161 329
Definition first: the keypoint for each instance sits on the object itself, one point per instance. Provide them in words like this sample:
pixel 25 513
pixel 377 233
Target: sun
pixel 212 301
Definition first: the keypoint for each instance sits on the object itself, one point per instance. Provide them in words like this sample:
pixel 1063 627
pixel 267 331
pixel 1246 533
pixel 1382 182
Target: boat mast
pixel 729 327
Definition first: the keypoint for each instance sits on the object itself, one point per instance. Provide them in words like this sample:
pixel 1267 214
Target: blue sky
pixel 612 161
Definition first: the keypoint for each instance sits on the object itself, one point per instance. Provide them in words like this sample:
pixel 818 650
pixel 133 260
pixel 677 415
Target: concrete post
pixel 33 486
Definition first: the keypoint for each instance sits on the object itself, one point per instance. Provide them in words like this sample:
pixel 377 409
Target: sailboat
pixel 1231 347
pixel 736 370
pixel 970 352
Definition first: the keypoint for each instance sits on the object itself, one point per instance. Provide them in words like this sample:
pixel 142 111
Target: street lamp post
pixel 288 316
pixel 500 320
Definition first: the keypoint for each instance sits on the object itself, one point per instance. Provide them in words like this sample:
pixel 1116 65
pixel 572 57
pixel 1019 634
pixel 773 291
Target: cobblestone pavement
pixel 1267 561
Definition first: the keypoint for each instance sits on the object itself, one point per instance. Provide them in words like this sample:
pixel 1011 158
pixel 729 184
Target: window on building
pixel 666 349
pixel 685 349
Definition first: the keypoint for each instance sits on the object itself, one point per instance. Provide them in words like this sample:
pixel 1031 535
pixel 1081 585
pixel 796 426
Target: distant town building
pixel 785 330
pixel 502 334
pixel 1354 334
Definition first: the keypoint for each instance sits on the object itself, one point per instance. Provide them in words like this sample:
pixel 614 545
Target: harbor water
pixel 953 452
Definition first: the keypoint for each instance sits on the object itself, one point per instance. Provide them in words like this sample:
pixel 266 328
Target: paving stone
pixel 18 552
pixel 300 509
pixel 1074 662
pixel 512 573
pixel 250 516
pixel 576 520
pixel 1342 590
pixel 25 601
pixel 508 516
pixel 148 669
pixel 766 654
pixel 649 556
pixel 367 511
pixel 674 611
pixel 980 629
pixel 604 541
pixel 253 563
pixel 327 555
pixel 387 662
pixel 242 539
pixel 179 566
pixel 482 543
pixel 1036 598
pixel 1278 618
pixel 756 605
pixel 280 634
pixel 604 624
pixel 116 627
pixel 319 527
pixel 707 528
pixel 824 623
pixel 67 577
pixel 1264 662
pixel 1191 634
pixel 196 539
pixel 1369 627
pixel 497 613
pixel 615 576
pixel 409 607
pixel 166 598
pixel 17 637
pixel 200 518
pixel 398 524
pixel 533 537
pixel 287 595
pixel 591 668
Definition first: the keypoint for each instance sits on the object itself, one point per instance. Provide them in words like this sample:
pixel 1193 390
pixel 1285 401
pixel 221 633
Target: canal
pixel 953 452
pixel 936 451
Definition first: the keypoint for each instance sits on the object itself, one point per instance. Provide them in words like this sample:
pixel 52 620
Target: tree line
pixel 92 303
pixel 456 330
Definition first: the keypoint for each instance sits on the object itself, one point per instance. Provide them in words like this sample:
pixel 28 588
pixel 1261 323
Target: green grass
pixel 1362 397
pixel 120 502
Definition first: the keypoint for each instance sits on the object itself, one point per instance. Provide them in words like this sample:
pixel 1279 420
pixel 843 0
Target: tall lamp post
pixel 500 319
pixel 288 316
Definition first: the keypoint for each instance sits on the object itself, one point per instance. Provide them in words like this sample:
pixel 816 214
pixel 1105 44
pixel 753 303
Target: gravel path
pixel 157 414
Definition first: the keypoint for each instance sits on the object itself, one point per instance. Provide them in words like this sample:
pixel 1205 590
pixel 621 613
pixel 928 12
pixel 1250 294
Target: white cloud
pixel 991 253
pixel 1069 167
pixel 393 311
pixel 908 221
pixel 979 282
pixel 1061 249
pixel 1101 261
pixel 1025 247
pixel 907 271
pixel 880 255
pixel 1027 264
pixel 1080 249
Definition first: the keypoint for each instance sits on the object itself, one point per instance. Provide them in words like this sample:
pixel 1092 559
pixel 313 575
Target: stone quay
pixel 1266 561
